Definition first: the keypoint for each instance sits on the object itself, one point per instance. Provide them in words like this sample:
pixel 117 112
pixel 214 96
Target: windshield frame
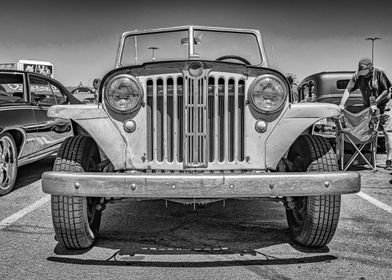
pixel 191 50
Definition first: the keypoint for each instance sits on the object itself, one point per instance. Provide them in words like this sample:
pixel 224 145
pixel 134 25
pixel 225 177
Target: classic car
pixel 328 87
pixel 27 134
pixel 194 115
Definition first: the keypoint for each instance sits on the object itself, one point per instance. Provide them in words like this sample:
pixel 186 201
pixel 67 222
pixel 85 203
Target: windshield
pixel 11 88
pixel 174 45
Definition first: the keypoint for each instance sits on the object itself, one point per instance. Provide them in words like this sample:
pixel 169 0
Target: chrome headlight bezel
pixel 109 91
pixel 284 92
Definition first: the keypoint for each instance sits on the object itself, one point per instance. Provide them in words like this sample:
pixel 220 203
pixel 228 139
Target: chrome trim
pixel 200 186
pixel 32 158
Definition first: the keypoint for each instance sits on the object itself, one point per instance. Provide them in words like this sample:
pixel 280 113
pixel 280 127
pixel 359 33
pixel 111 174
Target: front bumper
pixel 154 186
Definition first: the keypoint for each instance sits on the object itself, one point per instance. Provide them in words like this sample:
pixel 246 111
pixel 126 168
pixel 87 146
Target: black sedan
pixel 26 132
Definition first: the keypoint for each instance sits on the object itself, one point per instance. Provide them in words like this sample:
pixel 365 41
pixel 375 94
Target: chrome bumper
pixel 200 185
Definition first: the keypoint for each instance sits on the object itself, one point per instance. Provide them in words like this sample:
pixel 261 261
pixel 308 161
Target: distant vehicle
pixel 40 67
pixel 27 134
pixel 84 94
pixel 328 87
pixel 194 115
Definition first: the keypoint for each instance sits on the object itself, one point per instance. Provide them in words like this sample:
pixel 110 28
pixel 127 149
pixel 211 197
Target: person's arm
pixel 351 86
pixel 345 96
pixel 385 84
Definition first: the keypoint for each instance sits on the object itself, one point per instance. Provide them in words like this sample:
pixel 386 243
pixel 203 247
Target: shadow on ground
pixel 132 230
pixel 32 172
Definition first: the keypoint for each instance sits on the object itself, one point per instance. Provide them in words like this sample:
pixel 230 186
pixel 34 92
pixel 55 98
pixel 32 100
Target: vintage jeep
pixel 194 115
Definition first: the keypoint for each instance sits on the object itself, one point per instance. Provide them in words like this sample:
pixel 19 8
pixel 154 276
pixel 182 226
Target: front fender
pixel 296 119
pixel 96 122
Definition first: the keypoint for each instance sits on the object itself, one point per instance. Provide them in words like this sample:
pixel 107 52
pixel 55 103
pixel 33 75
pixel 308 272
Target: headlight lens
pixel 124 94
pixel 268 93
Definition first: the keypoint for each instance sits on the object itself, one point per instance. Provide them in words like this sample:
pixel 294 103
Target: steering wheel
pixel 236 57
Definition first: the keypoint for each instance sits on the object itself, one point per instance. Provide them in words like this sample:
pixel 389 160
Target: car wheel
pixel 313 219
pixel 76 220
pixel 8 163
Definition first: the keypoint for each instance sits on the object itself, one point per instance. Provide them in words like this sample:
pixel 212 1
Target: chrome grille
pixel 195 121
pixel 195 107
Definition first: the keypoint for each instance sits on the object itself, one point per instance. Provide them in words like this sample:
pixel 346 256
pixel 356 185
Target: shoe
pixel 388 164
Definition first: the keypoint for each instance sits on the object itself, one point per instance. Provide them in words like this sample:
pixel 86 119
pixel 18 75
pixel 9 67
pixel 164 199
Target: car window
pixel 11 88
pixel 59 95
pixel 40 86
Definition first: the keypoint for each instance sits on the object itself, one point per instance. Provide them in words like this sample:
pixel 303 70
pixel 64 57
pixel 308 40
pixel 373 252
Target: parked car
pixel 194 115
pixel 27 134
pixel 328 87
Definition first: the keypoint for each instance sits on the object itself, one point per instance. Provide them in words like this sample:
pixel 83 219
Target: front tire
pixel 75 219
pixel 314 219
pixel 8 163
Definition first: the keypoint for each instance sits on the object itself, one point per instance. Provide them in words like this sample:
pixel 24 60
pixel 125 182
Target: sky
pixel 301 37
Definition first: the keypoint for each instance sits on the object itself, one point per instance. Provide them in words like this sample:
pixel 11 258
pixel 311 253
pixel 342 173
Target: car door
pixel 45 93
pixel 16 113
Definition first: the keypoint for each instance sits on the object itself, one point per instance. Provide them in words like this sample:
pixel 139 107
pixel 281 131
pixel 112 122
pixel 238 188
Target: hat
pixel 364 66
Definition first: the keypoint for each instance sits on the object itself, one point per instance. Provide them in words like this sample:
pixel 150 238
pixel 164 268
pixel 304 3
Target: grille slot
pixel 195 121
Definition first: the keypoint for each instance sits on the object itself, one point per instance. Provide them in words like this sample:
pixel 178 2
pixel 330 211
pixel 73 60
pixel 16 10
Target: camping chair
pixel 359 131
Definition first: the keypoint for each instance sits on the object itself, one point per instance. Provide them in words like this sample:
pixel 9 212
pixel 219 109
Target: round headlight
pixel 123 94
pixel 268 94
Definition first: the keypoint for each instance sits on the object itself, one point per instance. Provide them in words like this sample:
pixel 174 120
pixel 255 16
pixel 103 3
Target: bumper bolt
pixel 271 186
pixel 76 186
pixel 326 184
pixel 133 187
pixel 232 186
pixel 174 186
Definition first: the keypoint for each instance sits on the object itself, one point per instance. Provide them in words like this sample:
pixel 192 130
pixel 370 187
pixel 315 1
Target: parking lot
pixel 243 240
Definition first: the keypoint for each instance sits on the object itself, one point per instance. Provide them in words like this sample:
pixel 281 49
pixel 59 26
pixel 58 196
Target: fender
pixel 96 122
pixel 296 119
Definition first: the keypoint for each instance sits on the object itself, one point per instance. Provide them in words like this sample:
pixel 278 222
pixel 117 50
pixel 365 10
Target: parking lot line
pixel 14 217
pixel 376 202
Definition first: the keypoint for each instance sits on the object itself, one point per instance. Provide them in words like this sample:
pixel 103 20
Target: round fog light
pixel 129 126
pixel 261 126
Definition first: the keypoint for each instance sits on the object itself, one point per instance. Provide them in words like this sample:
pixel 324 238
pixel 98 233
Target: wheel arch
pixel 19 136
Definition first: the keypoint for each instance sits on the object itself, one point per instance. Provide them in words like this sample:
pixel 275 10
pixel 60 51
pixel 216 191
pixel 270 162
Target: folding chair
pixel 358 130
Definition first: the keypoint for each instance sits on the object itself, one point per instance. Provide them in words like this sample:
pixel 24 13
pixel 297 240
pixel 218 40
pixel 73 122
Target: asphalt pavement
pixel 246 239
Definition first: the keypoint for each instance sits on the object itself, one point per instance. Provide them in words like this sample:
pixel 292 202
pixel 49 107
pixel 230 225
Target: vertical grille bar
pixel 236 116
pixel 175 121
pixel 204 148
pixel 226 118
pixel 195 130
pixel 155 121
pixel 165 124
pixel 216 119
pixel 186 121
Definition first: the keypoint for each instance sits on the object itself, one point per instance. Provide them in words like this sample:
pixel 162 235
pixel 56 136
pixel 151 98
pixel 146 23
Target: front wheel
pixel 313 219
pixel 76 220
pixel 8 163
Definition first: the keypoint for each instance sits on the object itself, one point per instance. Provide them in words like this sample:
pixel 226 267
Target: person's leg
pixel 388 143
pixel 387 129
